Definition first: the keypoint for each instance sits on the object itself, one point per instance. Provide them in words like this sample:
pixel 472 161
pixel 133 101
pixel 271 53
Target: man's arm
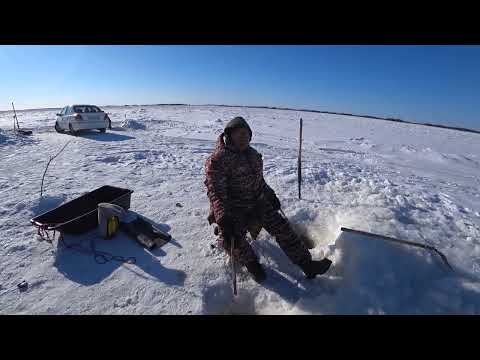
pixel 270 195
pixel 217 183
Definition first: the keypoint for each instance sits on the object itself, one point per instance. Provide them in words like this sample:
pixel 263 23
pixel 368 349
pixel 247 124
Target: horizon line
pixel 475 130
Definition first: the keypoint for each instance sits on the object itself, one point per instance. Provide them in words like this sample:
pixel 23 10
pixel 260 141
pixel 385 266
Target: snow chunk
pixel 133 124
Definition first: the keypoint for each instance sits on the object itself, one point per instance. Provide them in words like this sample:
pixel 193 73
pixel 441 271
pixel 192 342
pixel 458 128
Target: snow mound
pixel 133 124
pixel 387 278
pixel 3 138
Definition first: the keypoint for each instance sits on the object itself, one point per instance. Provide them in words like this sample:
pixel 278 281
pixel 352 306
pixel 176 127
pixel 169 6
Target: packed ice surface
pixel 407 181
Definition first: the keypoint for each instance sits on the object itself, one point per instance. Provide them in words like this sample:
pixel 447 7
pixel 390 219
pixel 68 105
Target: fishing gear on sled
pixel 106 209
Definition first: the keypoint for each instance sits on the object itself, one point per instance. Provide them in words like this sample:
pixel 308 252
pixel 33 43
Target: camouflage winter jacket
pixel 234 181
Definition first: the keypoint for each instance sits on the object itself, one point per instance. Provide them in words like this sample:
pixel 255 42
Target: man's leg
pixel 286 238
pixel 291 244
pixel 243 251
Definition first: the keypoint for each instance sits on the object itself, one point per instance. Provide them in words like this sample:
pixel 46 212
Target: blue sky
pixel 438 84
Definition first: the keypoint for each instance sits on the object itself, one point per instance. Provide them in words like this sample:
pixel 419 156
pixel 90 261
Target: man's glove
pixel 227 228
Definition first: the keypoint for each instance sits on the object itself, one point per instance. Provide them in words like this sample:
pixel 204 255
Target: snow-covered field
pixel 408 181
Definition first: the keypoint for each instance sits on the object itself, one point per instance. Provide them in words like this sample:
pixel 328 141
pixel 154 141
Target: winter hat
pixel 237 123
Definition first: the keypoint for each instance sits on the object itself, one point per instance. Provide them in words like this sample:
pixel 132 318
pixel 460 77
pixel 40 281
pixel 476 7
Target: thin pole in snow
pixel 46 168
pixel 234 270
pixel 15 118
pixel 299 165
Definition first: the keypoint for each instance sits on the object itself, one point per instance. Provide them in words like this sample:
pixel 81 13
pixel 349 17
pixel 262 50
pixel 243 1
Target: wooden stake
pixel 299 165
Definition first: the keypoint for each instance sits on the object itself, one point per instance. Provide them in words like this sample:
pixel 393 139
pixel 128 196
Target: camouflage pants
pixel 276 226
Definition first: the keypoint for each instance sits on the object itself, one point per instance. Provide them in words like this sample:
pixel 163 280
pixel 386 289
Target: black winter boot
pixel 316 267
pixel 256 270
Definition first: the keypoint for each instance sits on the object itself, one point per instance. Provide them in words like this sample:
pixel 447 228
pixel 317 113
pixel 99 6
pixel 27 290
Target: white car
pixel 82 117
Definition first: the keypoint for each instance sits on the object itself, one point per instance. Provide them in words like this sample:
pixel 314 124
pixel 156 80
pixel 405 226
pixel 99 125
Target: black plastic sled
pixel 81 214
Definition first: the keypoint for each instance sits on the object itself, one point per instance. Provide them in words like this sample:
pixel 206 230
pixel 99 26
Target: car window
pixel 96 109
pixel 67 110
pixel 63 111
pixel 79 109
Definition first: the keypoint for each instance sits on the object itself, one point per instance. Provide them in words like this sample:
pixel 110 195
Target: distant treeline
pixel 356 115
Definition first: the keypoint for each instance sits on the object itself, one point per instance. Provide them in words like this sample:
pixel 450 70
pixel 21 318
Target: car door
pixel 58 118
pixel 65 117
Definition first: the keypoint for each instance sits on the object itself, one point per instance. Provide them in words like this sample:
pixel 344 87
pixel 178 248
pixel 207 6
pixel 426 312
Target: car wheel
pixel 102 130
pixel 57 128
pixel 73 132
pixel 109 124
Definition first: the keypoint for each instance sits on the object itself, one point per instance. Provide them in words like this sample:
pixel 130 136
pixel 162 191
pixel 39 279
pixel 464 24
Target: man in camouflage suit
pixel 240 198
